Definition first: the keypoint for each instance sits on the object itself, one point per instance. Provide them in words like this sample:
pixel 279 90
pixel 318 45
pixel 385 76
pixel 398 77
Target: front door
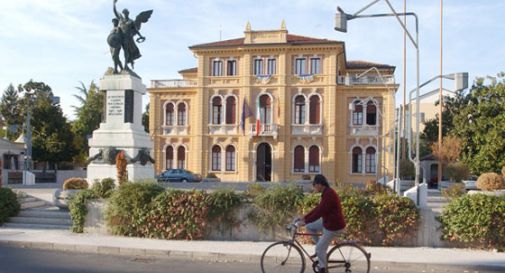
pixel 264 163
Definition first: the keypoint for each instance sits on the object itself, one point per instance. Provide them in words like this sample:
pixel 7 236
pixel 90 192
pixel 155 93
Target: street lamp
pixel 341 19
pixel 460 83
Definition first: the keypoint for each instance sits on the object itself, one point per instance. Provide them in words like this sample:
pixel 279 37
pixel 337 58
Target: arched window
pixel 371 113
pixel 265 109
pixel 357 113
pixel 315 110
pixel 299 165
pixel 217 110
pixel 216 158
pixel 230 158
pixel 231 110
pixel 357 160
pixel 299 109
pixel 181 157
pixel 169 157
pixel 314 166
pixel 370 163
pixel 169 114
pixel 181 114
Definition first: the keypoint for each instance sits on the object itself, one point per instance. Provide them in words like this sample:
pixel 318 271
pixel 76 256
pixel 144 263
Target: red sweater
pixel 329 209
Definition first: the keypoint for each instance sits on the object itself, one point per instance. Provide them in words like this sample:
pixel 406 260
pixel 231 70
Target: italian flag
pixel 258 119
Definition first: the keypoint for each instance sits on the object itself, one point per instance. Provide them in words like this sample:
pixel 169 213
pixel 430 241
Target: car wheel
pixel 184 180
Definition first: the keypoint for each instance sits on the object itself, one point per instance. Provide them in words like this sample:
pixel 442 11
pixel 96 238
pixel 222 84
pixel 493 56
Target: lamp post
pixel 382 137
pixel 28 137
pixel 341 19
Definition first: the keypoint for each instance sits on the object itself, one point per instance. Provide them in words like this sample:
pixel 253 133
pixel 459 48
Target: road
pixel 20 260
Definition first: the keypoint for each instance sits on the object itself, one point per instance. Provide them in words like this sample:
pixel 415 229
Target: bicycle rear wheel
pixel 348 257
pixel 282 257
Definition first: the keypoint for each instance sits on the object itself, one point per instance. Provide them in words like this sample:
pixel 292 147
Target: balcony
pixel 266 130
pixel 223 129
pixel 368 80
pixel 364 130
pixel 307 79
pixel 173 83
pixel 264 79
pixel 307 129
pixel 222 81
pixel 175 130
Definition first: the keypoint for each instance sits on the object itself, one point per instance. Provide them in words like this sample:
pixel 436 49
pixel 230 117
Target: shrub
pixel 104 188
pixel 79 210
pixel 490 182
pixel 9 205
pixel 177 214
pixel 129 206
pixel 457 171
pixel 359 214
pixel 454 191
pixel 503 172
pixel 475 220
pixel 75 183
pixel 407 169
pixel 254 190
pixel 221 203
pixel 397 218
pixel 276 206
pixel 211 175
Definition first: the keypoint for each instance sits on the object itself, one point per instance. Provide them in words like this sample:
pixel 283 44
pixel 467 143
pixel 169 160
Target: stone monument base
pixel 121 130
pixel 136 172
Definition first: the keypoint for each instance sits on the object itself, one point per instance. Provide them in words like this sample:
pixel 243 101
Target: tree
pixel 88 117
pixel 480 124
pixel 52 139
pixel 450 150
pixel 145 119
pixel 10 111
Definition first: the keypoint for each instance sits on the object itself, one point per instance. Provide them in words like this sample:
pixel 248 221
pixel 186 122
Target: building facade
pixel 272 106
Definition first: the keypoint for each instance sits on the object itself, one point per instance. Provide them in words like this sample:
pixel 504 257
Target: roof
pixel 189 70
pixel 291 39
pixel 365 64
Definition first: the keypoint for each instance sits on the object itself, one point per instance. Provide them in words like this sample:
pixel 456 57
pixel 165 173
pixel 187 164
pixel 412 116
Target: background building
pixel 272 106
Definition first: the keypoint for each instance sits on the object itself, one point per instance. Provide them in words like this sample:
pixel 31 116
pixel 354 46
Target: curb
pixel 144 252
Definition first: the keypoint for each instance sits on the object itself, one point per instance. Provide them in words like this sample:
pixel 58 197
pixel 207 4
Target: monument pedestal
pixel 121 129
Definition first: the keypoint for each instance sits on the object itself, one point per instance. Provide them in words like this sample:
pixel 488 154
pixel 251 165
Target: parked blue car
pixel 178 175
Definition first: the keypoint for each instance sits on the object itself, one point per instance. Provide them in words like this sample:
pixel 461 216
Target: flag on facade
pixel 246 112
pixel 258 119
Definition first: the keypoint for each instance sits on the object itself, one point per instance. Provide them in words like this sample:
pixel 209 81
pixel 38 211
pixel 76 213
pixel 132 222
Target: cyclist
pixel 327 218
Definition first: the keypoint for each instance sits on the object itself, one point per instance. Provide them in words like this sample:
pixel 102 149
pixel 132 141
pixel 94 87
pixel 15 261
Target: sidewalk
pixel 228 251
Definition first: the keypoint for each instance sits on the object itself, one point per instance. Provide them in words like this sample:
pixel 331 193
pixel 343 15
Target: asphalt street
pixel 22 260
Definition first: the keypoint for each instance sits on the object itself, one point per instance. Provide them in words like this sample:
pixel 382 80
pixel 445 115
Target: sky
pixel 63 42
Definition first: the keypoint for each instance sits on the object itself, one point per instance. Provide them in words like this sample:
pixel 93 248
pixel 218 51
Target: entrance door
pixel 264 163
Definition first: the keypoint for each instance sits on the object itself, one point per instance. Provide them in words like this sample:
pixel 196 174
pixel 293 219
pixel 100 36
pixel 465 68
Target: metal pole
pixel 441 98
pixel 403 147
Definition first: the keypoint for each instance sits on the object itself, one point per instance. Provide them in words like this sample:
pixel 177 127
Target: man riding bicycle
pixel 327 218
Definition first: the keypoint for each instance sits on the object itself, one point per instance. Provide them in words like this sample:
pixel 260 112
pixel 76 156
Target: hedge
pixel 476 221
pixel 9 205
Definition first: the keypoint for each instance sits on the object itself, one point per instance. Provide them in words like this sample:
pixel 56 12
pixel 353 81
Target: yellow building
pixel 272 106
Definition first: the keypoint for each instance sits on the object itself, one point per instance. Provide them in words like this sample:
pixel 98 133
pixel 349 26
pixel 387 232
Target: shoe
pixel 322 270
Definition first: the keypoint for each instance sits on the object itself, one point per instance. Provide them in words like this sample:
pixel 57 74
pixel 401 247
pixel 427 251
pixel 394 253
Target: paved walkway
pixel 229 251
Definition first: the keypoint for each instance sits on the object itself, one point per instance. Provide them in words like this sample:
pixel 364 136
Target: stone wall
pixel 244 229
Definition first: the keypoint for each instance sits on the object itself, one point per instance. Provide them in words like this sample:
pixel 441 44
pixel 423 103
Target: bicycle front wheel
pixel 348 257
pixel 282 257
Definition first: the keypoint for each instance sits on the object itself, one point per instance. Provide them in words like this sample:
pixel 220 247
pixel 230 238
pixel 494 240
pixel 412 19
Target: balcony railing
pixel 364 130
pixel 265 130
pixel 173 83
pixel 307 129
pixel 365 80
pixel 223 129
pixel 175 130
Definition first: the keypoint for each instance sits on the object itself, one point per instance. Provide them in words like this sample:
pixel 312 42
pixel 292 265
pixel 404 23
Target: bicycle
pixel 288 255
